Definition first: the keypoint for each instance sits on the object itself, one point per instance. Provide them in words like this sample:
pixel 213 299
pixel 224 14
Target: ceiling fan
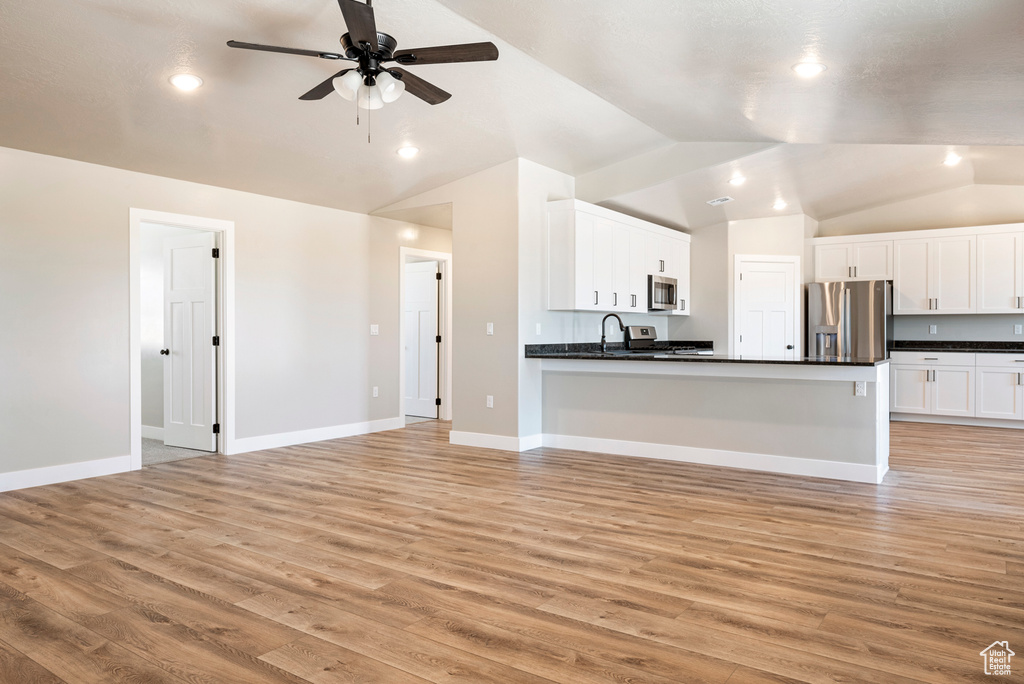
pixel 370 82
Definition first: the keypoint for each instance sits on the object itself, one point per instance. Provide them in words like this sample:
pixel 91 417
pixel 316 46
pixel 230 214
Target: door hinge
pixel 438 339
pixel 439 276
pixel 216 253
pixel 216 340
pixel 216 428
pixel 437 402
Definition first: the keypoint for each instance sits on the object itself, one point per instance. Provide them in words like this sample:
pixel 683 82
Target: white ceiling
pixel 580 87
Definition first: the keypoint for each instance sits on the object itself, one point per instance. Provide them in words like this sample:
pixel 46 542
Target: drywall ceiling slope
pixel 88 80
pixel 434 215
pixel 914 71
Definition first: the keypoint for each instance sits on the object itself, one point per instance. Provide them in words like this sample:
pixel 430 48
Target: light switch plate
pixel 1018 330
pixel 374 329
pixel 490 328
pixel 538 328
pixel 490 401
pixel 933 330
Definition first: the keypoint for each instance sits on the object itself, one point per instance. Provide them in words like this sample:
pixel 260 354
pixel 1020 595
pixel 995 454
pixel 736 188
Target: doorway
pixel 424 333
pixel 766 307
pixel 181 322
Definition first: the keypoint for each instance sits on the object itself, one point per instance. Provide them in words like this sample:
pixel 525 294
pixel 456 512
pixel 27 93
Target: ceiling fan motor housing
pixel 386 45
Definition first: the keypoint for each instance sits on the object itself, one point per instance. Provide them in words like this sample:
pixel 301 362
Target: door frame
pixel 226 306
pixel 444 361
pixel 798 285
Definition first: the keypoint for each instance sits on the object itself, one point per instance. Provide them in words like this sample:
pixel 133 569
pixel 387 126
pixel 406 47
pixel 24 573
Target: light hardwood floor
pixel 397 557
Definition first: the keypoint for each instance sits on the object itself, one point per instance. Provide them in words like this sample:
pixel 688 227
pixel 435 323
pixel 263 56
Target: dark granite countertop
pixel 663 351
pixel 967 347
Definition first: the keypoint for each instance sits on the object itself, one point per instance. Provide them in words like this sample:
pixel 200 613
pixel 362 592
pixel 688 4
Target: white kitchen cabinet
pixel 853 261
pixel 598 260
pixel 1001 273
pixel 999 386
pixel 940 384
pixel 934 275
pixel 909 389
pixel 953 391
pixel 682 275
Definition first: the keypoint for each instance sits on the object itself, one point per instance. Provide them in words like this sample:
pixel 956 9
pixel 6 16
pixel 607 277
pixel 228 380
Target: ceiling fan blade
pixel 286 50
pixel 427 92
pixel 361 26
pixel 324 89
pixel 444 54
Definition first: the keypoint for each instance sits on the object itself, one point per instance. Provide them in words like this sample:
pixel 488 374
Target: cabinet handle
pixel 936 303
pixel 931 358
pixel 661 263
pixel 1020 378
pixel 634 301
pixel 682 305
pixel 595 298
pixel 615 298
pixel 854 271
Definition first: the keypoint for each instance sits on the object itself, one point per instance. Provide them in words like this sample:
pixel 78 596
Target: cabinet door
pixel 953 391
pixel 832 262
pixel 910 390
pixel 586 293
pixel 1001 273
pixel 872 260
pixel 637 270
pixel 620 264
pixel 682 264
pixel 999 393
pixel 604 265
pixel 952 277
pixel 657 259
pixel 911 287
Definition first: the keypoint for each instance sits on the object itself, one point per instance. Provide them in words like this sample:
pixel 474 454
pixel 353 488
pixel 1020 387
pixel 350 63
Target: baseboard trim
pixel 786 465
pixel 37 477
pixel 284 439
pixel 150 432
pixel 957 420
pixel 484 441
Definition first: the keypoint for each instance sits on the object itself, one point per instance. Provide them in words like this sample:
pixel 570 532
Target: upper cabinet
pixel 853 261
pixel 599 260
pixel 1001 273
pixel 935 275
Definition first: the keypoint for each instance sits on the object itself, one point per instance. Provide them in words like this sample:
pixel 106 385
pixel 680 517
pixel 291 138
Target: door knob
pixel 165 352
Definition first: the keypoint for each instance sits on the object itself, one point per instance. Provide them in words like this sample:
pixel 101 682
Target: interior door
pixel 190 322
pixel 766 309
pixel 421 346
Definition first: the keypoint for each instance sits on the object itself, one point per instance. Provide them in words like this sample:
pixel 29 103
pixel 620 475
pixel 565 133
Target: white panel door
pixel 832 262
pixel 421 345
pixel 637 270
pixel 952 278
pixel 766 309
pixel 872 260
pixel 953 391
pixel 621 300
pixel 190 310
pixel 910 390
pixel 999 393
pixel 1001 273
pixel 911 286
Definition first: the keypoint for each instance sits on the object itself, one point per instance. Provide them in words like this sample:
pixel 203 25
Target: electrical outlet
pixel 860 389
pixel 538 328
pixel 490 401
pixel 490 328
pixel 376 392
pixel 933 330
pixel 1018 330
pixel 374 329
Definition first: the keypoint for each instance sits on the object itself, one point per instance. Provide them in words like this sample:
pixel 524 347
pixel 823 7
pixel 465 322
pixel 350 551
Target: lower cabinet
pixel 957 385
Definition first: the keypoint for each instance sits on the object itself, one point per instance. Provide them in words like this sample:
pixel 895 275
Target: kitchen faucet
pixel 604 344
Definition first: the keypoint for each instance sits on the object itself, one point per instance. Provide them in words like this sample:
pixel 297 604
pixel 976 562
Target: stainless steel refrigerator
pixel 849 319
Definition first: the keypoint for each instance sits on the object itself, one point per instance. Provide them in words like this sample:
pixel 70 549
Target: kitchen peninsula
pixel 816 416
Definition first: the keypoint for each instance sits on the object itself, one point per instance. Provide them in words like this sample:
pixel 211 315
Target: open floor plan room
pixel 397 557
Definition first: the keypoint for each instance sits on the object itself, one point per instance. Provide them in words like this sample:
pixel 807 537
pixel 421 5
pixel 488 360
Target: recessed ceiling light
pixel 186 81
pixel 737 180
pixel 779 205
pixel 408 152
pixel 952 159
pixel 808 69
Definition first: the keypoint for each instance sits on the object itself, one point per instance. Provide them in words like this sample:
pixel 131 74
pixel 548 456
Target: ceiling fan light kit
pixel 370 83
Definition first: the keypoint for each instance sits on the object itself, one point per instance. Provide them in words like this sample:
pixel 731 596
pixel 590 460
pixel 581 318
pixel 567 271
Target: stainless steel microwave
pixel 662 293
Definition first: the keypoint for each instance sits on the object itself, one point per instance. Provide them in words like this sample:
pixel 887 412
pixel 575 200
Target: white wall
pixel 309 280
pixel 151 304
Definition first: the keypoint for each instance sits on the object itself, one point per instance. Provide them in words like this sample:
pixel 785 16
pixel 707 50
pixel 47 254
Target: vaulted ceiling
pixel 595 89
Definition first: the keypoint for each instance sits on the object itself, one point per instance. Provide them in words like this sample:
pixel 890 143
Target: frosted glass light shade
pixel 391 88
pixel 347 85
pixel 369 97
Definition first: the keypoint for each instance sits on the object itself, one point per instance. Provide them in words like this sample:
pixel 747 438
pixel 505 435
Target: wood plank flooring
pixel 397 557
